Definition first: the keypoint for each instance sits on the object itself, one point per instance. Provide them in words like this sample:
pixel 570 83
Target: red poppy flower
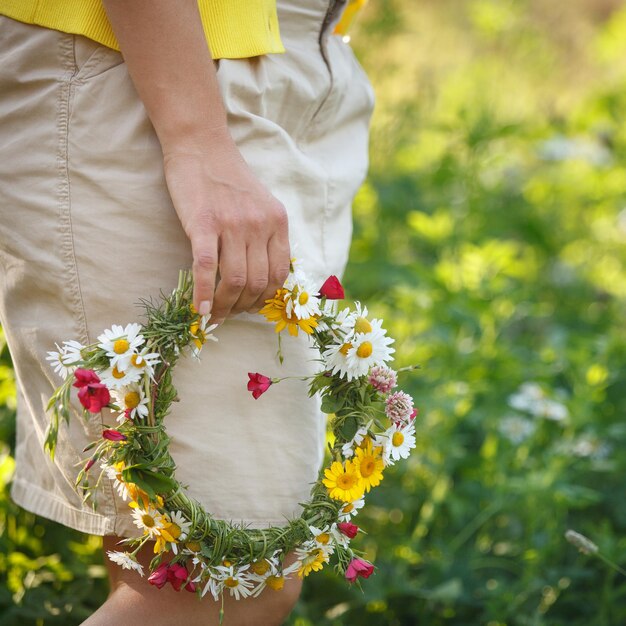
pixel 332 289
pixel 348 529
pixel 258 384
pixel 94 396
pixel 359 568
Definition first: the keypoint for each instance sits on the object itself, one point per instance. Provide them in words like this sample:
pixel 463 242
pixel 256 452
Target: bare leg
pixel 133 601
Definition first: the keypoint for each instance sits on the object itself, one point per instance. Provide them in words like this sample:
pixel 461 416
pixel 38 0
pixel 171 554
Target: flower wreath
pixel 129 371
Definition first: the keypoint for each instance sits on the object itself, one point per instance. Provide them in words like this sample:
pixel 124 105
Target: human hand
pixel 235 226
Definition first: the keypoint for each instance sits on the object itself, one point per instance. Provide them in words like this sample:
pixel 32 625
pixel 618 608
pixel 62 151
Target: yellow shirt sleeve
pixel 233 28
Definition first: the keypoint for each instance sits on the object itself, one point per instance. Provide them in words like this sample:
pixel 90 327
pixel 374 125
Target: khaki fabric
pixel 87 228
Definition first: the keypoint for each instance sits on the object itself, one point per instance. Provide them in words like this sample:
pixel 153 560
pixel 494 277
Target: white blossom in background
pixel 590 446
pixel 516 428
pixel 531 398
pixel 561 148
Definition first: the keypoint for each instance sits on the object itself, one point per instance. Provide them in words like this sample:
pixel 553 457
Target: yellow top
pixel 234 28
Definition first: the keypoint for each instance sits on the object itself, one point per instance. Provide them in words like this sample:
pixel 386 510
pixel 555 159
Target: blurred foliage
pixel 490 236
pixel 49 574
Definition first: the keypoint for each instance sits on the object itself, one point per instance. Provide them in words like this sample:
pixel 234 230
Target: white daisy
pixel 200 332
pixel 110 471
pixel 368 349
pixel 357 320
pixel 115 378
pixel 125 560
pixel 145 361
pixel 324 539
pixel 214 585
pixel 302 301
pixel 339 537
pixel 149 520
pixel 132 401
pixel 350 509
pixel 360 351
pixel 114 473
pixel 179 519
pixel 348 448
pixel 72 352
pixel 397 441
pixel 122 489
pixel 56 362
pixel 311 558
pixel 66 358
pixel 121 343
pixel 335 358
pixel 296 275
pixel 264 569
pixel 236 579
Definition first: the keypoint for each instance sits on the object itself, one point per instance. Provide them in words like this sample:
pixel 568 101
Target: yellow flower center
pixel 397 439
pixel 346 481
pixel 137 360
pixel 193 309
pixel 131 400
pixel 344 349
pixel 362 325
pixel 194 546
pixel 323 538
pixel 260 567
pixel 117 374
pixel 364 350
pixel 226 563
pixel 303 298
pixel 121 346
pixel 367 466
pixel 231 582
pixel 348 508
pixel 275 582
pixel 147 520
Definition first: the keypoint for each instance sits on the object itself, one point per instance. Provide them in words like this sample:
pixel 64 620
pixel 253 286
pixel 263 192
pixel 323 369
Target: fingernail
pixel 217 321
pixel 205 307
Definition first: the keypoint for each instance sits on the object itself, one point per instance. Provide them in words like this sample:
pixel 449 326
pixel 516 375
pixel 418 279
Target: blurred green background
pixel 490 236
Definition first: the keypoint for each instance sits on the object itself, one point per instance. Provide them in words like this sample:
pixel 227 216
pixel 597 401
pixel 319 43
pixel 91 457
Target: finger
pixel 279 258
pixel 233 278
pixel 258 268
pixel 205 264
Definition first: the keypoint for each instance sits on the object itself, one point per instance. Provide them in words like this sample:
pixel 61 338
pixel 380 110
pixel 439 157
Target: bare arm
pixel 233 222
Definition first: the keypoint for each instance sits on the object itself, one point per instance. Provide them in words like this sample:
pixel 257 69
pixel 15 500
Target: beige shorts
pixel 87 227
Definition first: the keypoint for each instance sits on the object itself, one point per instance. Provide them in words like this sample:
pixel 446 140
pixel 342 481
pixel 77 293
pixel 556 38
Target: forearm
pixel 170 63
pixel 233 222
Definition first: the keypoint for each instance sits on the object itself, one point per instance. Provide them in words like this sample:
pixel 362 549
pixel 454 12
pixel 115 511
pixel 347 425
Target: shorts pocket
pixel 92 58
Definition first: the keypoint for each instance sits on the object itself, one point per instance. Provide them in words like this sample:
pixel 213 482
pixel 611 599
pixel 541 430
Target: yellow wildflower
pixel 369 464
pixel 344 481
pixel 275 310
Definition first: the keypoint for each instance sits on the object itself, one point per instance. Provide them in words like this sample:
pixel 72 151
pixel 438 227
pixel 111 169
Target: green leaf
pixel 331 404
pixel 349 427
pixel 151 482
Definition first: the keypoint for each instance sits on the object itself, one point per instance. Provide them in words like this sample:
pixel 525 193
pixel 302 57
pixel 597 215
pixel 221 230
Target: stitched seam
pixel 31 497
pixel 43 493
pixel 72 286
